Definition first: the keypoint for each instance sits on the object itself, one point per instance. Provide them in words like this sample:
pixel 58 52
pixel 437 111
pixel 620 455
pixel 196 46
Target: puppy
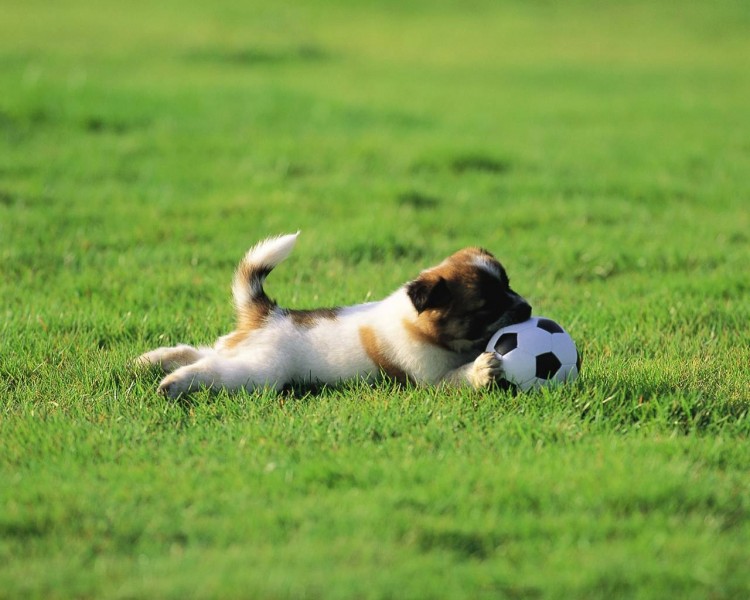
pixel 431 330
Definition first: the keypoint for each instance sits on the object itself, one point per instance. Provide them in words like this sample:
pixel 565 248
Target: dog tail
pixel 250 299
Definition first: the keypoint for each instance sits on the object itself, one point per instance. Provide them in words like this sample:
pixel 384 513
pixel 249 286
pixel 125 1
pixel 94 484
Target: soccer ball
pixel 536 353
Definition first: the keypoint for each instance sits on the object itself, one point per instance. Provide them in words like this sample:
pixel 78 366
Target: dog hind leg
pixel 169 359
pixel 216 373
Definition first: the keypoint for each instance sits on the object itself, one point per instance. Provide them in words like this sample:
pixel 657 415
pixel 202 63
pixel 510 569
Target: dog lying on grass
pixel 431 330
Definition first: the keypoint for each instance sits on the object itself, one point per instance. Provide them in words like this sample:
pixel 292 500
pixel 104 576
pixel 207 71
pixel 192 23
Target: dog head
pixel 464 300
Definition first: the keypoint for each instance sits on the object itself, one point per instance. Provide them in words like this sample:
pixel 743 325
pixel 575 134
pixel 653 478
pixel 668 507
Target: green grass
pixel 600 150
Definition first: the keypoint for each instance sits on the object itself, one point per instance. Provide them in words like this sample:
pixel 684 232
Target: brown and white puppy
pixel 432 330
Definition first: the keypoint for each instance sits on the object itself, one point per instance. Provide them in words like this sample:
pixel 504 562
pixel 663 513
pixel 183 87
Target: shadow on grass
pixel 382 251
pixel 418 200
pixel 465 163
pixel 258 56
pixel 621 406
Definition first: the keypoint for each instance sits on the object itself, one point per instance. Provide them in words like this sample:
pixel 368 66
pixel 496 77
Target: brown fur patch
pixel 249 318
pixel 310 318
pixel 423 330
pixel 371 345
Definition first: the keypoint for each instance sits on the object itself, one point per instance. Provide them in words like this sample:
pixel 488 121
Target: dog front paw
pixel 486 370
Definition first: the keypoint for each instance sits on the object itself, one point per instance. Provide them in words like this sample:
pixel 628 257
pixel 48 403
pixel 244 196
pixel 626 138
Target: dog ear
pixel 428 293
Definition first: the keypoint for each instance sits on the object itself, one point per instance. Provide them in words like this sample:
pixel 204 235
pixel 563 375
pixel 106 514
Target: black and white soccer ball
pixel 536 353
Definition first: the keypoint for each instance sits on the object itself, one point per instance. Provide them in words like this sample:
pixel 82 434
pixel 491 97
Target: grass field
pixel 602 151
